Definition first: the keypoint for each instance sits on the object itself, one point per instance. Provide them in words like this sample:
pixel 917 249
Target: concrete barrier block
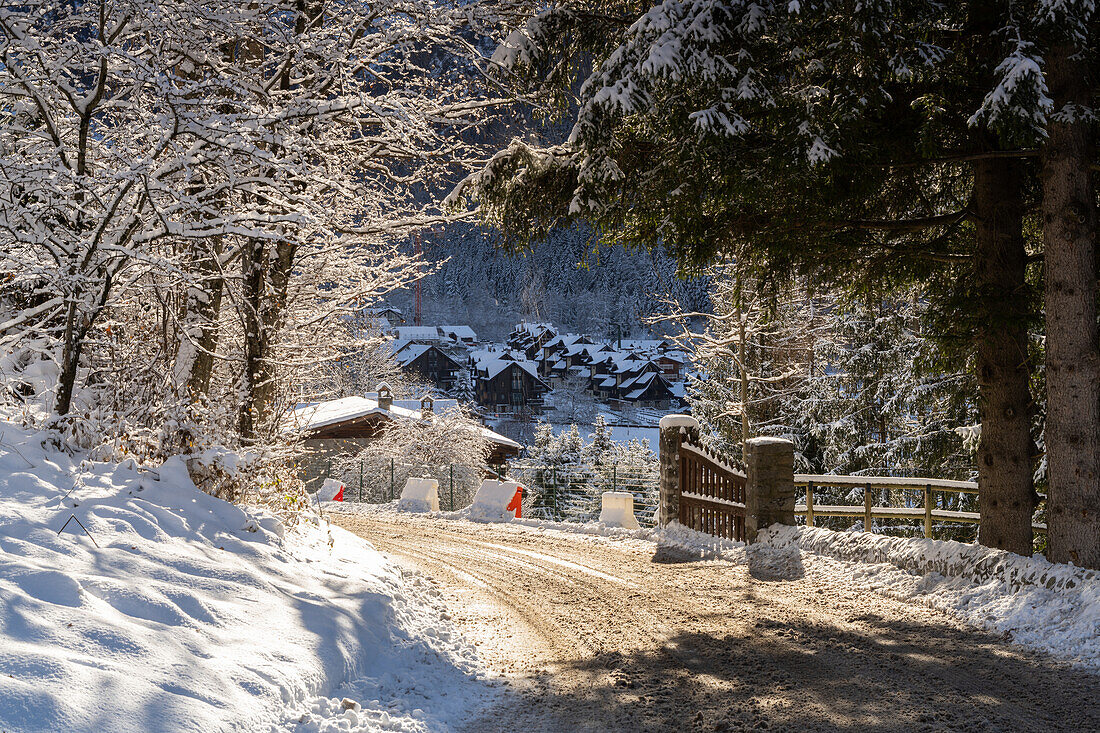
pixel 420 495
pixel 617 510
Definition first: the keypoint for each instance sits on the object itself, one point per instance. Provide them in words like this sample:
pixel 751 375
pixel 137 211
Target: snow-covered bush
pixel 443 446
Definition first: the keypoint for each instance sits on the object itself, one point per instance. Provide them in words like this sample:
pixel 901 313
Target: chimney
pixel 426 404
pixel 385 396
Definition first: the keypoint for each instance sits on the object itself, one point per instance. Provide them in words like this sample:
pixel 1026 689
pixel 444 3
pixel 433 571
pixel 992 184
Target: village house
pixel 530 337
pixel 630 379
pixel 459 334
pixel 429 361
pixel 387 315
pixel 507 382
pixel 342 427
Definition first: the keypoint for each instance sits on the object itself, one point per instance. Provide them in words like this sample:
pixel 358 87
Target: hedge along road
pixel 623 635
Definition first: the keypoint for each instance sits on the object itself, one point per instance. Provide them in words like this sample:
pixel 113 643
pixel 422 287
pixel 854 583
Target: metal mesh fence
pixel 568 493
pixel 572 493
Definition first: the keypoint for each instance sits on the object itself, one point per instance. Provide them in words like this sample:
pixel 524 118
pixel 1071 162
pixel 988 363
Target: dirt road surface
pixel 602 635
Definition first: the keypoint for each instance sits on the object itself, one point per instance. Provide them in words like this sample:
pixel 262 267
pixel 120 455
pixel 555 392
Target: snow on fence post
pixel 769 486
pixel 671 425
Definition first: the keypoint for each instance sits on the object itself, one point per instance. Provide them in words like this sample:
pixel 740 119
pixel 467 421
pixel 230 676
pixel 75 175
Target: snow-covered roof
pixel 627 362
pixel 410 353
pixel 494 367
pixel 459 333
pixel 630 383
pixel 642 344
pixel 534 329
pixel 565 339
pixel 588 349
pixel 316 415
pixel 642 381
pixel 417 333
pixel 313 416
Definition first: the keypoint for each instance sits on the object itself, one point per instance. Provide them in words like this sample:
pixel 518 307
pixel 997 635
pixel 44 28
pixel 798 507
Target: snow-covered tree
pixel 433 447
pixel 755 352
pixel 217 188
pixel 881 403
pixel 600 448
pixel 572 401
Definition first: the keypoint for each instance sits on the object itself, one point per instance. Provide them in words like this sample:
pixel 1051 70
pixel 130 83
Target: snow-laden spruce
pixel 181 612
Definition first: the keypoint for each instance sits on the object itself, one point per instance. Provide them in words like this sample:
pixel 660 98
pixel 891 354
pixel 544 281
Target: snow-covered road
pixel 618 634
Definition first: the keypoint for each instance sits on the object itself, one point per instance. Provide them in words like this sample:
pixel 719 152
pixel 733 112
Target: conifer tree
pixel 600 448
pixel 829 137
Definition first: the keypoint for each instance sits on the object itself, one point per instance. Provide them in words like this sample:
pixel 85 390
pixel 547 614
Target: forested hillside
pixel 603 293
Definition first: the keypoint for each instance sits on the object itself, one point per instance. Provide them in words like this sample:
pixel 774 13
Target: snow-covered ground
pixel 1040 605
pixel 181 612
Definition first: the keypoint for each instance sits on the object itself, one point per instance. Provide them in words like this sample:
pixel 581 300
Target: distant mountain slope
pixel 484 287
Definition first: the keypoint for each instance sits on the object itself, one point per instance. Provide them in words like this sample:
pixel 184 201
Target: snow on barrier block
pixel 331 490
pixel 617 510
pixel 420 495
pixel 493 499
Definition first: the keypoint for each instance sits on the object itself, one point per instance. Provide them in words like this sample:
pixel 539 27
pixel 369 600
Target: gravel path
pixel 602 635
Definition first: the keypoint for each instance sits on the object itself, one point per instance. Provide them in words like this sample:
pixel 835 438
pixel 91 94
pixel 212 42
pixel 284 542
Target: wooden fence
pixel 712 492
pixel 926 510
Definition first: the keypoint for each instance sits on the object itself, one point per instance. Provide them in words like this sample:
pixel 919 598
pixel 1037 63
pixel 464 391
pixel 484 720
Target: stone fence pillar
pixel 769 489
pixel 669 508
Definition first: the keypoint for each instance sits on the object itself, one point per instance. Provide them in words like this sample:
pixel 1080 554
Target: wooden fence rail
pixel 926 487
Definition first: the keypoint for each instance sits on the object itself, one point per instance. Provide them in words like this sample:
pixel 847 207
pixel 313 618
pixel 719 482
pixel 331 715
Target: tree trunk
pixel 194 363
pixel 78 325
pixel 1072 356
pixel 70 362
pixel 266 283
pixel 742 354
pixel 1005 479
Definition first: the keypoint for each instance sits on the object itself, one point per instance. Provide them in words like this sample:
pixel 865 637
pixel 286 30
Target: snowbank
pixel 1042 605
pixel 951 559
pixel 182 612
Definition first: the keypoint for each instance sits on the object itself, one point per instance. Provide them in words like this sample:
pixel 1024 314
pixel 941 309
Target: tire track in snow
pixel 602 635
